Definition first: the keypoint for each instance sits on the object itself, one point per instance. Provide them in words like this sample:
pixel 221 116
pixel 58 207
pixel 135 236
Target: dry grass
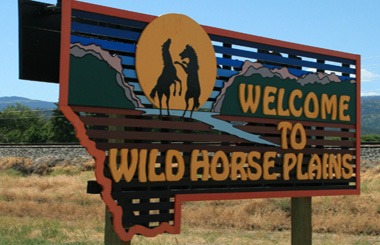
pixel 260 214
pixel 37 196
pixel 334 214
pixel 47 209
pixel 54 208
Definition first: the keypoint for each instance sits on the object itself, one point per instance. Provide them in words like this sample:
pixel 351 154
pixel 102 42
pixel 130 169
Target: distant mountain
pixel 370 109
pixel 33 104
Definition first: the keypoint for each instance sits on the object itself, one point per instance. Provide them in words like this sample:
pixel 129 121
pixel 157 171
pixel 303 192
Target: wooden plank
pixel 152 218
pixel 102 110
pixel 105 44
pixel 309 132
pixel 152 206
pixel 255 192
pixel 253 41
pixel 216 147
pixel 131 189
pixel 229 62
pixel 281 60
pixel 226 73
pixel 259 129
pixel 325 143
pixel 108 19
pixel 146 123
pixel 207 106
pixel 219 83
pixel 130 73
pixel 276 121
pixel 237 64
pixel 158 136
pixel 105 31
pixel 127 60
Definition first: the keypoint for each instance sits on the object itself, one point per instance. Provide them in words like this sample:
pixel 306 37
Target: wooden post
pixel 110 236
pixel 301 221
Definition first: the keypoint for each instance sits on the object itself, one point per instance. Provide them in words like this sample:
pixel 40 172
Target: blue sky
pixel 351 26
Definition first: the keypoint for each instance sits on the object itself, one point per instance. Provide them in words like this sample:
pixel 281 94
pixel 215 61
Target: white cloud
pixel 369 93
pixel 368 76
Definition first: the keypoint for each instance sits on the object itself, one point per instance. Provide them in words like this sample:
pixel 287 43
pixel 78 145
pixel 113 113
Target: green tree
pixel 61 130
pixel 20 124
pixel 370 137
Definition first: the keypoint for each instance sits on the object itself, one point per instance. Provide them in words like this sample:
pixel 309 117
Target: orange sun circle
pixel 174 53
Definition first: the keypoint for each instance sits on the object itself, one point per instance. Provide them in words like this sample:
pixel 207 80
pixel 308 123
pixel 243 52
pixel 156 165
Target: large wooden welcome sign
pixel 173 111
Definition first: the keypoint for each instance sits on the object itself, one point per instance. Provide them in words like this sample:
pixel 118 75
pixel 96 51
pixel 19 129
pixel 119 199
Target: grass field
pixel 52 207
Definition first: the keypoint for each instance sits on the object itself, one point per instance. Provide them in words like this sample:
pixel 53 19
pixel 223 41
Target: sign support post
pixel 110 236
pixel 301 221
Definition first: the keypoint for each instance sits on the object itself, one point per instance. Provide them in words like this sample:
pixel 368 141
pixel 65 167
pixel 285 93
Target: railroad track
pixel 374 144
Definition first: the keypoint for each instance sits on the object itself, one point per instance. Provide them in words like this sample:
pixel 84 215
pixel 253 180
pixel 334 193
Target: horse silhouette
pixel 191 68
pixel 167 78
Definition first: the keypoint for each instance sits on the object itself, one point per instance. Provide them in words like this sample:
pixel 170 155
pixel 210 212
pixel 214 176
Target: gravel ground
pixel 68 152
pixel 370 156
pixel 29 160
